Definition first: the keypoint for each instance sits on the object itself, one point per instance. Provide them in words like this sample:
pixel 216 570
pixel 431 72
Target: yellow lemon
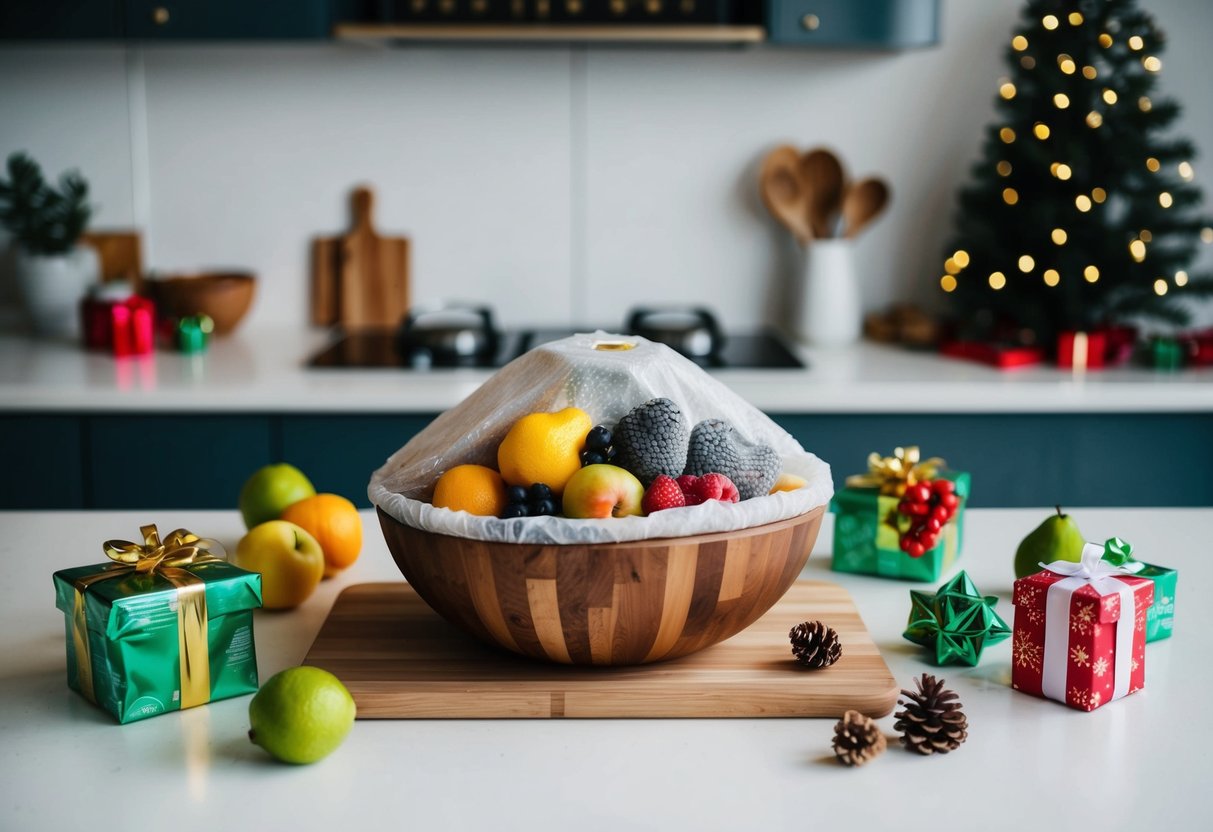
pixel 471 488
pixel 544 447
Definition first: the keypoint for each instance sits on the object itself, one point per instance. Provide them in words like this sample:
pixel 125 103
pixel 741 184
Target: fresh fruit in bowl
pixel 268 492
pixel 334 522
pixel 544 447
pixel 476 489
pixel 603 491
pixel 289 559
pixel 301 715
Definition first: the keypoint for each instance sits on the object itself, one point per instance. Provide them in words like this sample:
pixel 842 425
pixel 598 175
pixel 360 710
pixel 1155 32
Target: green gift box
pixel 161 627
pixel 1160 617
pixel 867 540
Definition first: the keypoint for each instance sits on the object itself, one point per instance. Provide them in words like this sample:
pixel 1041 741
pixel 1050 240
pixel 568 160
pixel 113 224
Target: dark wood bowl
pixel 224 296
pixel 611 604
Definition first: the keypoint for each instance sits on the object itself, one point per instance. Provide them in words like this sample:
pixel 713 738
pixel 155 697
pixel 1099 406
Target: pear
pixel 1057 538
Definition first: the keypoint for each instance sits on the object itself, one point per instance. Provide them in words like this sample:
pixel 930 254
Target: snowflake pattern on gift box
pixel 1083 619
pixel 1100 667
pixel 1083 698
pixel 1035 616
pixel 1025 652
pixel 1111 604
pixel 1097 630
pixel 1029 596
pixel 1079 656
pixel 1136 664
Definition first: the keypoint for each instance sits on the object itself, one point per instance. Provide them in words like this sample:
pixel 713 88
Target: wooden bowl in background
pixel 611 604
pixel 224 296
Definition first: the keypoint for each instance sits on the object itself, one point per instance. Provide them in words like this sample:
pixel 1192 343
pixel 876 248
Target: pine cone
pixel 857 739
pixel 931 721
pixel 815 645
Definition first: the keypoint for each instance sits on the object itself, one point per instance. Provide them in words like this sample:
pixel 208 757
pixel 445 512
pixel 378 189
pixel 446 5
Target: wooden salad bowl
pixel 610 604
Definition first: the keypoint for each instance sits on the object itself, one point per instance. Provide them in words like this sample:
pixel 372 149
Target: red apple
pixel 603 491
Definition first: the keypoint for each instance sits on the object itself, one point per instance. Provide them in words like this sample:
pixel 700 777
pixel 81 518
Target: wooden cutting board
pixel 360 280
pixel 400 660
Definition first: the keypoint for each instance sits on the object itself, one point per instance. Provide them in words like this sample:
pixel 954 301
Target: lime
pixel 301 715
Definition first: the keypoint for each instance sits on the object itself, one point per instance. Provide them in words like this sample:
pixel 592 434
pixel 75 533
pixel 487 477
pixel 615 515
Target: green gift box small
pixel 160 632
pixel 1160 617
pixel 867 540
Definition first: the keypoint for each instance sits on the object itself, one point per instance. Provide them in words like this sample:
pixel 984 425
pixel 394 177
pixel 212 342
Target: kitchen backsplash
pixel 558 184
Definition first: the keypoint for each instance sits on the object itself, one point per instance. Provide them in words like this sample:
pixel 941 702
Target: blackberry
pixel 716 446
pixel 652 440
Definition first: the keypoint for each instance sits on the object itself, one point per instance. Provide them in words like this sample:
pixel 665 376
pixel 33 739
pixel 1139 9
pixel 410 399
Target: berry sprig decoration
pixel 929 506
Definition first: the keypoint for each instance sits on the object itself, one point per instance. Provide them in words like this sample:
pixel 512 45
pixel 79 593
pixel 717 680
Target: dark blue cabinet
pixel 878 24
pixel 61 19
pixel 41 457
pixel 227 19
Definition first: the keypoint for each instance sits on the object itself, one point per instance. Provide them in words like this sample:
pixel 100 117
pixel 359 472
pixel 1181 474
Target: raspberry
pixel 711 486
pixel 662 494
pixel 652 440
pixel 715 446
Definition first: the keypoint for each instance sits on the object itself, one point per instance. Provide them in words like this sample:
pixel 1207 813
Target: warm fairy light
pixel 1181 278
pixel 1075 19
pixel 1090 274
pixel 1049 21
pixel 1144 104
pixel 1138 250
pixel 997 281
pixel 1136 43
pixel 1052 277
pixel 1185 171
pixel 1151 63
pixel 1152 165
pixel 951 266
pixel 1094 119
pixel 1027 62
pixel 1082 202
pixel 1164 199
pixel 1109 96
pixel 1060 170
pixel 1099 195
pixel 1105 40
pixel 1019 43
pixel 1003 168
pixel 1089 73
pixel 1059 236
pixel 1007 90
pixel 947 283
pixel 1041 130
pixel 1160 287
pixel 961 257
pixel 1066 64
pixel 1206 235
pixel 1026 263
pixel 1061 101
pixel 1007 135
pixel 1010 196
pixel 1145 236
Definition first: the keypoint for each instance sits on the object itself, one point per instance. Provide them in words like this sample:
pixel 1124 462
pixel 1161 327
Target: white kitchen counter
pixel 1138 763
pixel 263 371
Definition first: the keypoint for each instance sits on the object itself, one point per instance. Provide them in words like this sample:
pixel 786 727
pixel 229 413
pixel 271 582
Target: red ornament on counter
pixel 1080 632
pixel 1080 351
pixel 118 320
pixel 1002 356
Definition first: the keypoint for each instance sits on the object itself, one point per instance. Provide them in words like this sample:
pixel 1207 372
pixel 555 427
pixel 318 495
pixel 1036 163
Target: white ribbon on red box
pixel 1092 570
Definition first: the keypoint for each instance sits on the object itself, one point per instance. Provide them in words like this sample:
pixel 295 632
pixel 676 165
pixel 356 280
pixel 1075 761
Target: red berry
pixel 943 486
pixel 928 541
pixel 919 509
pixel 904 543
pixel 933 524
pixel 714 486
pixel 915 549
pixel 687 483
pixel 663 493
pixel 950 500
pixel 918 493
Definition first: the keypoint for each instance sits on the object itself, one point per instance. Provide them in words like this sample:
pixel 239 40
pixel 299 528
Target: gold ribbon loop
pixel 180 548
pixel 894 474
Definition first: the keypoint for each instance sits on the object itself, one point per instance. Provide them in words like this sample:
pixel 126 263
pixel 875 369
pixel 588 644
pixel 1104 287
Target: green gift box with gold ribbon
pixel 868 526
pixel 163 626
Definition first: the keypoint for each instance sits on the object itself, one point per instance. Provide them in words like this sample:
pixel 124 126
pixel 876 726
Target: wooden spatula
pixel 822 173
pixel 784 192
pixel 862 203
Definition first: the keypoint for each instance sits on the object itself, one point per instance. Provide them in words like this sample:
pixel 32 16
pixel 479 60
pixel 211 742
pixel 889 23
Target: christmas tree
pixel 1081 214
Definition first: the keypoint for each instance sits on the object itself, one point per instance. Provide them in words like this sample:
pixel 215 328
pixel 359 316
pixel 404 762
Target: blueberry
pixel 591 458
pixel 515 510
pixel 540 491
pixel 516 494
pixel 541 507
pixel 598 439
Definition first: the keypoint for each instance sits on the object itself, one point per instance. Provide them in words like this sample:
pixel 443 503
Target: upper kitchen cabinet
pixel 876 24
pixel 165 20
pixel 61 19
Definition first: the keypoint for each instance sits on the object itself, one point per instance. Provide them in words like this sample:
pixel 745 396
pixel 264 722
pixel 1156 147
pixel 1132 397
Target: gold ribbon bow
pixel 894 474
pixel 166 558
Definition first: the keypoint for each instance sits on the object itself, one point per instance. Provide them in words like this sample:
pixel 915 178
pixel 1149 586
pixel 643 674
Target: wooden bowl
pixel 611 604
pixel 224 296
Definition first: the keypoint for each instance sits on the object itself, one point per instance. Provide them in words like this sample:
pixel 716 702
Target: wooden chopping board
pixel 400 660
pixel 360 280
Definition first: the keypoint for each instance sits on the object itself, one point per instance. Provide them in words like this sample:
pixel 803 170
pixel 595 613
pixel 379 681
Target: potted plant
pixel 53 269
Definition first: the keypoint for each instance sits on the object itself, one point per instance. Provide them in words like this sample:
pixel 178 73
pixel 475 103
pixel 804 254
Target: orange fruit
pixel 788 482
pixel 471 488
pixel 544 447
pixel 334 522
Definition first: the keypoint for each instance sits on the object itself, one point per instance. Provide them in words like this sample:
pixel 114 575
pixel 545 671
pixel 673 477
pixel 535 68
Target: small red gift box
pixel 123 326
pixel 1082 350
pixel 1080 632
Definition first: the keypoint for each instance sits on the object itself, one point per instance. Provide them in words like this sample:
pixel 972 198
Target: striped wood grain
pixel 402 661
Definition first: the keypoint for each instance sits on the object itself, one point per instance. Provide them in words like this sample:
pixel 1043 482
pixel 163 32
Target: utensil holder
pixel 829 314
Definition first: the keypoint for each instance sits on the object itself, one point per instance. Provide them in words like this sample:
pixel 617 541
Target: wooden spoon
pixel 862 203
pixel 822 171
pixel 784 192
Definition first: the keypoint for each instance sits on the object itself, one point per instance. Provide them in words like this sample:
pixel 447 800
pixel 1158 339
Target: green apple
pixel 289 559
pixel 603 491
pixel 270 490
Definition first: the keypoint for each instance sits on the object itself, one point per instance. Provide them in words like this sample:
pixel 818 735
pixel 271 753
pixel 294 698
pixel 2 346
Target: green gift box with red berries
pixel 905 519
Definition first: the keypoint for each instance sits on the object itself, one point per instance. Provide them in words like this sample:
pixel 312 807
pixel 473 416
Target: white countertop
pixel 1138 763
pixel 263 370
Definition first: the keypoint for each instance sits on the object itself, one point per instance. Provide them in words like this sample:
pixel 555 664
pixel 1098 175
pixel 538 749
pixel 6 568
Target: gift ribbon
pixel 1120 553
pixel 893 474
pixel 1092 570
pixel 166 558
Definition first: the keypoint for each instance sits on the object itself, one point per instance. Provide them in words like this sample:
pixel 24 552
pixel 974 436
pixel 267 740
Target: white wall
pixel 558 184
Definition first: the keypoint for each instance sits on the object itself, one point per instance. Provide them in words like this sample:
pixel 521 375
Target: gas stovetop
pixel 380 348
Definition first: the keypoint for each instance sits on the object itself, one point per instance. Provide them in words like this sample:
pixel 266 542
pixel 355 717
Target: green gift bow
pixel 1119 552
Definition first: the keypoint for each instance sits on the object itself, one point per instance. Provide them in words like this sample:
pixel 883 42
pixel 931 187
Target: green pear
pixel 1057 538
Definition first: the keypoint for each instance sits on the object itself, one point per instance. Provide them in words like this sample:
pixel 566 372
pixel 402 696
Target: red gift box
pixel 1080 632
pixel 1082 350
pixel 124 327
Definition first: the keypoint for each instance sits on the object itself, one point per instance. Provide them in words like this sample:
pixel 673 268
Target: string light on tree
pixel 1075 19
pixel 1160 287
pixel 1099 195
pixel 1026 263
pixel 1165 199
pixel 1052 278
pixel 1136 43
pixel 1185 171
pixel 1137 250
pixel 1089 72
pixel 1040 130
pixel 1181 278
pixel 1090 274
pixel 1058 236
pixel 997 280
